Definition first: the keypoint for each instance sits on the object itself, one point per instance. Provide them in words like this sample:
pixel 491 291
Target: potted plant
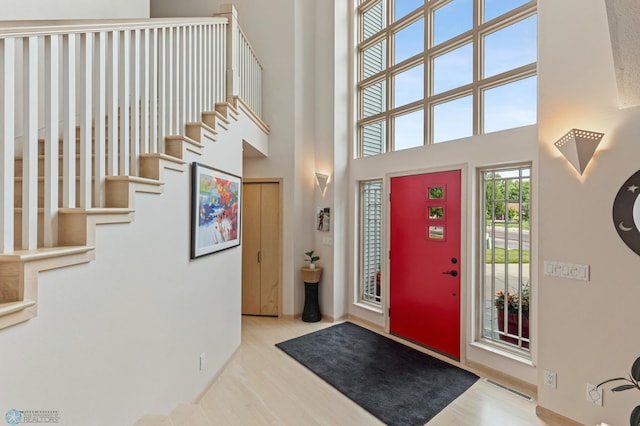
pixel 513 305
pixel 312 259
pixel 632 383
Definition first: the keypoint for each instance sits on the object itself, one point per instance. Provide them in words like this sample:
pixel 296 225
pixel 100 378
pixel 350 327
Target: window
pixel 437 70
pixel 504 248
pixel 371 241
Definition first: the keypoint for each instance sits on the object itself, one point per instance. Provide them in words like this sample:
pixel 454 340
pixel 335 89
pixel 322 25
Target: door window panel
pixel 436 212
pixel 436 232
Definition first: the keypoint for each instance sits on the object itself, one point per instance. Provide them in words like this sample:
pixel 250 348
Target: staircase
pixel 70 160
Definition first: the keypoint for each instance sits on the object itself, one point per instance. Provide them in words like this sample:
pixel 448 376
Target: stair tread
pixel 13 307
pixel 43 253
pixel 97 210
pixel 164 157
pixel 136 179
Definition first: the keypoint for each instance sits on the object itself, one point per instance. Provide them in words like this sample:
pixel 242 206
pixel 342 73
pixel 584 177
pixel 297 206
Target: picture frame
pixel 323 219
pixel 216 200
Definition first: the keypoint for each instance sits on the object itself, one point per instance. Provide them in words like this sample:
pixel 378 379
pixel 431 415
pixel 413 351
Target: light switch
pixel 566 270
pixel 327 241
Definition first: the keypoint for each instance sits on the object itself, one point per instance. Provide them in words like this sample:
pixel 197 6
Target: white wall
pixel 121 336
pixel 73 9
pixel 587 330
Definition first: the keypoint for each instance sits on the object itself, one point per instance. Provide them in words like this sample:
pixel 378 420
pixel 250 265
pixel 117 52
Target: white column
pixel 233 33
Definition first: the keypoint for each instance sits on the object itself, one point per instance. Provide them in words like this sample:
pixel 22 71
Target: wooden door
pixel 261 248
pixel 425 260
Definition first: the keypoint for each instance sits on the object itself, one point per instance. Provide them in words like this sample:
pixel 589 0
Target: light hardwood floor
pixel 261 385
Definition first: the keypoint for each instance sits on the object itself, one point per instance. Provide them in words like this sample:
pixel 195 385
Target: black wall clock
pixel 623 212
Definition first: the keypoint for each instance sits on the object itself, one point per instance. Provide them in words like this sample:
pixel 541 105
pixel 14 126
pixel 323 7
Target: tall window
pixel 430 71
pixel 371 241
pixel 504 252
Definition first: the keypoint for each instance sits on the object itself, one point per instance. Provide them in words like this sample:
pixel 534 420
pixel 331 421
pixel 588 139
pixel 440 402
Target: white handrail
pixel 244 71
pixel 250 70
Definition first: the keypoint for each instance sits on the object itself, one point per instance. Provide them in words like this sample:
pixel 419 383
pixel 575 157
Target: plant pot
pixel 513 328
pixel 311 275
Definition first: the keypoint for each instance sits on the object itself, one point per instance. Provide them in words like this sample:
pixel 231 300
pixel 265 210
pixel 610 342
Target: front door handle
pixel 452 273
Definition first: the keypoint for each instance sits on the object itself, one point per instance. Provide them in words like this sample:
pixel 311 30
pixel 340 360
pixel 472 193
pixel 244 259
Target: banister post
pixel 233 38
pixel 7 141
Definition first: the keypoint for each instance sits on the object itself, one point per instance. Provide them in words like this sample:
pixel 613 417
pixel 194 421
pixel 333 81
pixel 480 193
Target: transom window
pixel 430 71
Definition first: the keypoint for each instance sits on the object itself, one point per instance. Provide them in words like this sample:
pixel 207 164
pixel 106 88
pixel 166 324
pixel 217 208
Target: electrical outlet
pixel 202 357
pixel 594 395
pixel 550 379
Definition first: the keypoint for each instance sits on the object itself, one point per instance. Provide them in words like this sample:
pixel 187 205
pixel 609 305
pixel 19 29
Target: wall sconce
pixel 322 180
pixel 578 146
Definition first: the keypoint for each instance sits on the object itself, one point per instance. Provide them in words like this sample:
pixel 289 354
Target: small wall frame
pixel 323 219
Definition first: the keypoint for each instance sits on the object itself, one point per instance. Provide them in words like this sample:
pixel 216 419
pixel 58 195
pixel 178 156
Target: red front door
pixel 425 260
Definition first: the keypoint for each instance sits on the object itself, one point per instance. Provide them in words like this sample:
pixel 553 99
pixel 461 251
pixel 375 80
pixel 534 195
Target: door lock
pixel 452 273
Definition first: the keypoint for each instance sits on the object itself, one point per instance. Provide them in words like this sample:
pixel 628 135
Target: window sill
pixel 369 307
pixel 521 358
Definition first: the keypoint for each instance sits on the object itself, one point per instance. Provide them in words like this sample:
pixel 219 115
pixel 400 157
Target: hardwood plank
pixel 262 385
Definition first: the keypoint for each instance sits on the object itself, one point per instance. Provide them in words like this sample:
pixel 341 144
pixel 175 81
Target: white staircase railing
pixel 119 88
pixel 244 72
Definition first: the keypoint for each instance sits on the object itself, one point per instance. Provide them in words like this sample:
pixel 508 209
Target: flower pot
pixel 512 320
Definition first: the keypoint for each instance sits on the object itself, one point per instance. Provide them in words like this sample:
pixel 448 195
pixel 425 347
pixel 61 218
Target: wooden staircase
pixel 76 236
